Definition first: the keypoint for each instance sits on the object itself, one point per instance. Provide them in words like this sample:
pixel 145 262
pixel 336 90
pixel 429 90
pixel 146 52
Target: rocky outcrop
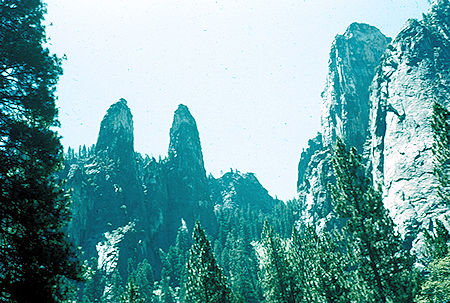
pixel 107 194
pixel 188 193
pixel 414 73
pixel 129 206
pixel 345 107
pixel 315 173
pixel 344 113
pixel 235 190
pixel 116 138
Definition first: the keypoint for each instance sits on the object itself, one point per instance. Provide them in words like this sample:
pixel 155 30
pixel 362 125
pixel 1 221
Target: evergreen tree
pixel 174 261
pixel 142 278
pixel 384 268
pixel 94 285
pixel 436 287
pixel 436 243
pixel 441 149
pixel 205 281
pixel 114 290
pixel 277 279
pixel 167 295
pixel 35 254
pixel 243 268
pixel 132 293
pixel 321 264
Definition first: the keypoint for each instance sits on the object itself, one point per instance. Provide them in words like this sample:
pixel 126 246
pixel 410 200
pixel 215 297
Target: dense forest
pixel 107 224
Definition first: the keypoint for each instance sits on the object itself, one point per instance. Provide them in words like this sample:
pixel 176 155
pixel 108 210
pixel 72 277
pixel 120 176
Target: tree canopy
pixel 35 253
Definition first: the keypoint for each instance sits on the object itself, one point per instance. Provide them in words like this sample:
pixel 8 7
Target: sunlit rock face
pixel 188 193
pixel 344 113
pixel 236 190
pixel 379 98
pixel 345 106
pixel 414 73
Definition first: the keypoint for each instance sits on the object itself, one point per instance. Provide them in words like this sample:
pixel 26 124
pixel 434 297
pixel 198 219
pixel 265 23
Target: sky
pixel 250 71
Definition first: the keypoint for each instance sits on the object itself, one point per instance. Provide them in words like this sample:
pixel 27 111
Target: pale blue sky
pixel 251 72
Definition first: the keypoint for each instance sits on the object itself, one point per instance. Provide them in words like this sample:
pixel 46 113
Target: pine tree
pixel 436 287
pixel 94 284
pixel 321 264
pixel 132 293
pixel 167 295
pixel 243 271
pixel 142 278
pixel 436 243
pixel 174 261
pixel 441 150
pixel 114 289
pixel 205 281
pixel 278 280
pixel 385 269
pixel 35 254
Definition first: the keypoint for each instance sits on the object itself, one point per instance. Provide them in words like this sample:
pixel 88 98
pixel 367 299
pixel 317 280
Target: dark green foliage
pixel 205 281
pixel 384 269
pixel 142 278
pixel 167 295
pixel 238 228
pixel 132 293
pixel 278 280
pixel 94 285
pixel 174 261
pixel 35 254
pixel 441 150
pixel 115 289
pixel 243 269
pixel 321 264
pixel 436 287
pixel 437 242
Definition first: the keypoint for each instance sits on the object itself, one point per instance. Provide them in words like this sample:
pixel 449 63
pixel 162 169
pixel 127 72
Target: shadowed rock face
pixel 414 73
pixel 116 139
pixel 128 206
pixel 188 193
pixel 344 113
pixel 108 201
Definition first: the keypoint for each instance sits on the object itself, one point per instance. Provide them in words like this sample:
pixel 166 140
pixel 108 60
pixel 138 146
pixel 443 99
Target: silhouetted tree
pixel 35 255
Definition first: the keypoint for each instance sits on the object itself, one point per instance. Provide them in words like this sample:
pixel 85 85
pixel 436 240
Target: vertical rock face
pixel 188 191
pixel 116 139
pixel 414 73
pixel 315 173
pixel 185 151
pixel 345 107
pixel 344 113
pixel 107 178
pixel 107 194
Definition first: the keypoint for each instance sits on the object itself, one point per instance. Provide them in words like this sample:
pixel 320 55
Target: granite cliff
pixel 344 113
pixel 378 97
pixel 413 74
